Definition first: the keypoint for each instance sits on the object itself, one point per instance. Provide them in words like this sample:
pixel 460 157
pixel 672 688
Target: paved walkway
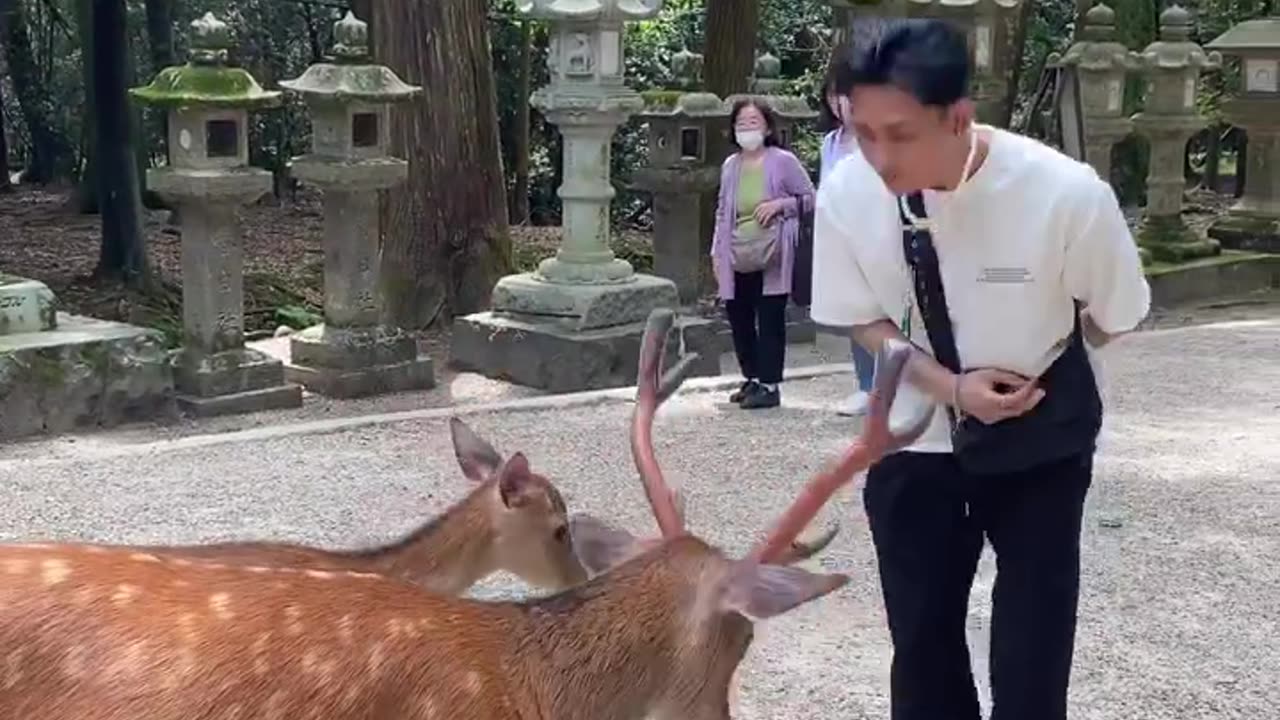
pixel 1180 611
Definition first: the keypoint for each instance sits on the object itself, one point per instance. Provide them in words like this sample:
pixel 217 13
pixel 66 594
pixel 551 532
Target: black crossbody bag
pixel 1064 423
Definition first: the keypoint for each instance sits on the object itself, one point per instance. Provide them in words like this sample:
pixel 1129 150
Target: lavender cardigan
pixel 784 176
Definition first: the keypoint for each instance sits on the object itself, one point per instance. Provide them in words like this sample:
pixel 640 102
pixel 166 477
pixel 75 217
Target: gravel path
pixel 1180 610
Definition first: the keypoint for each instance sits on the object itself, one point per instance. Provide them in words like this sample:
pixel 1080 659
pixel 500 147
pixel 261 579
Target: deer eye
pixel 562 534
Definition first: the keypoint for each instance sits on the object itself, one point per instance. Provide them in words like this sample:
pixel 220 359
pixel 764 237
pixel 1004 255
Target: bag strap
pixel 922 259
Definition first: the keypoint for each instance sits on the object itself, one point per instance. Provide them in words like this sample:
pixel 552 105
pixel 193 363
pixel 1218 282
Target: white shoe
pixel 855 404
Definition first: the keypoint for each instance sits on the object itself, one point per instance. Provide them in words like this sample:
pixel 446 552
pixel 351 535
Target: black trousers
pixel 927 520
pixel 759 326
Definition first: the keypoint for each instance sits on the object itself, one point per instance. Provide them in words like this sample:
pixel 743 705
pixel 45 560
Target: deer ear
pixel 515 482
pixel 763 591
pixel 477 458
pixel 598 546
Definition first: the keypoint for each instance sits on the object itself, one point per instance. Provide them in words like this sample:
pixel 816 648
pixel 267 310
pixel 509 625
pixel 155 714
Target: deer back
pixel 513 519
pixel 98 633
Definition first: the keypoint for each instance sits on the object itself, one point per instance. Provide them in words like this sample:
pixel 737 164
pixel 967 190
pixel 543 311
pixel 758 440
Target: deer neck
pixel 449 554
pixel 607 648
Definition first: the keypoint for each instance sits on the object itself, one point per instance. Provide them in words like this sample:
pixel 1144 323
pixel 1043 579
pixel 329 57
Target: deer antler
pixel 877 438
pixel 653 387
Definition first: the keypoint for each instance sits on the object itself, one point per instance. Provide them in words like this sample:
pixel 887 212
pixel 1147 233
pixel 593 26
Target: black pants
pixel 759 326
pixel 927 521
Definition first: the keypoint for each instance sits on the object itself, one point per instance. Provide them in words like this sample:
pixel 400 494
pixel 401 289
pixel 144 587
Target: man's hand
pixel 767 210
pixel 994 395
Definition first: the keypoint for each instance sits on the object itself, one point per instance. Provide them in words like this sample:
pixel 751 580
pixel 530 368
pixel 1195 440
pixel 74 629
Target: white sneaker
pixel 855 404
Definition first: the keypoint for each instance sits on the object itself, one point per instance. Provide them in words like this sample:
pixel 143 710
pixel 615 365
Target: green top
pixel 750 194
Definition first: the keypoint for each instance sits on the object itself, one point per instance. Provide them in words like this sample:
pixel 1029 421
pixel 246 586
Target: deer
pixel 514 520
pixel 109 633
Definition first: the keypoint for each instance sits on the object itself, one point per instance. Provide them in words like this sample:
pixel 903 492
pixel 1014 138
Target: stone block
pixel 232 381
pixel 26 306
pixel 582 307
pixel 86 373
pixel 552 358
pixel 357 362
pixel 415 374
pixel 321 346
pixel 1239 231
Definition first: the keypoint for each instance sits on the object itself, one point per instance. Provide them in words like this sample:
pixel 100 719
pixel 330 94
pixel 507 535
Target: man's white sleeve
pixel 1102 267
pixel 842 297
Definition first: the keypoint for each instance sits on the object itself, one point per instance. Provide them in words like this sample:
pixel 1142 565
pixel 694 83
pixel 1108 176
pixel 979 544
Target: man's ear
pixel 598 546
pixel 477 458
pixel 763 591
pixel 961 116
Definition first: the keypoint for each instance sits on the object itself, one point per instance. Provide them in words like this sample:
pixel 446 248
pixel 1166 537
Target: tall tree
pixel 87 191
pixel 732 26
pixel 50 152
pixel 123 253
pixel 5 185
pixel 444 232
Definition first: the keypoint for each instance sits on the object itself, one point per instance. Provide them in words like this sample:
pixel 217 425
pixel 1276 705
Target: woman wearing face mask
pixel 839 142
pixel 763 190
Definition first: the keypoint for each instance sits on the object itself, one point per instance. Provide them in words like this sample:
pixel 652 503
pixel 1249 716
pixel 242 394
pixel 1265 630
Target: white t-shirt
pixel 1031 230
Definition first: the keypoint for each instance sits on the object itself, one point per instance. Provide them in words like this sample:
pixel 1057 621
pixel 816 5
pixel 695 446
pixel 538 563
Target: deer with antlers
pixel 97 633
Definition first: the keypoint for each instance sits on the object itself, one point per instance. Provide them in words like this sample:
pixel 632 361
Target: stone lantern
pixel 986 22
pixel 1102 65
pixel 1172 66
pixel 767 78
pixel 681 169
pixel 351 354
pixel 209 179
pixel 1254 221
pixel 576 322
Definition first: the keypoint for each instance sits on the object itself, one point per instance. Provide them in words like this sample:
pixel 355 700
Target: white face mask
pixel 749 139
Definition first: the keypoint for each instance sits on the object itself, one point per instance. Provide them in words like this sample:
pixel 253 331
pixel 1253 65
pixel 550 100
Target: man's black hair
pixel 926 58
pixel 771 138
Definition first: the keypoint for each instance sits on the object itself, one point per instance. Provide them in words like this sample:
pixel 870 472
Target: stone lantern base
pixel 239 380
pixel 1240 230
pixel 1168 239
pixel 546 355
pixel 357 362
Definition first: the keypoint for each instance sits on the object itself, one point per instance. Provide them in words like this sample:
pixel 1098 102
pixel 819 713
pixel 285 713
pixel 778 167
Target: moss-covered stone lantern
pixel 1172 66
pixel 209 178
pixel 1254 221
pixel 352 354
pixel 1102 65
pixel 681 169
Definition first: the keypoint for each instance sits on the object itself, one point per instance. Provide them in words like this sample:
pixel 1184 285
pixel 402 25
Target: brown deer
pixel 513 520
pixel 98 633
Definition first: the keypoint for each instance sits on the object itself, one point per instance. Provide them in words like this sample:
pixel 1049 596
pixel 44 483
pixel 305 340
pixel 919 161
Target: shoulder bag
pixel 1064 423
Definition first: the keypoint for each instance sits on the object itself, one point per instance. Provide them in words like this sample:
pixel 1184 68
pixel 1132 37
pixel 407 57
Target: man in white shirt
pixel 1032 254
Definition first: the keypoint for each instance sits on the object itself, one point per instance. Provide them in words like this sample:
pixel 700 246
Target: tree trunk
pixel 1021 23
pixel 444 232
pixel 160 43
pixel 732 26
pixel 50 150
pixel 6 186
pixel 87 190
pixel 123 251
pixel 520 140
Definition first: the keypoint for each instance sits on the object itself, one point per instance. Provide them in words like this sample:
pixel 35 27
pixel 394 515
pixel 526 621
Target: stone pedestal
pixel 61 372
pixel 559 360
pixel 1163 234
pixel 1253 223
pixel 677 213
pixel 214 373
pixel 351 354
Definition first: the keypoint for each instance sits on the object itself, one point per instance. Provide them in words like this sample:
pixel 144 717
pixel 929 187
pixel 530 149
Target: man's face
pixel 908 143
